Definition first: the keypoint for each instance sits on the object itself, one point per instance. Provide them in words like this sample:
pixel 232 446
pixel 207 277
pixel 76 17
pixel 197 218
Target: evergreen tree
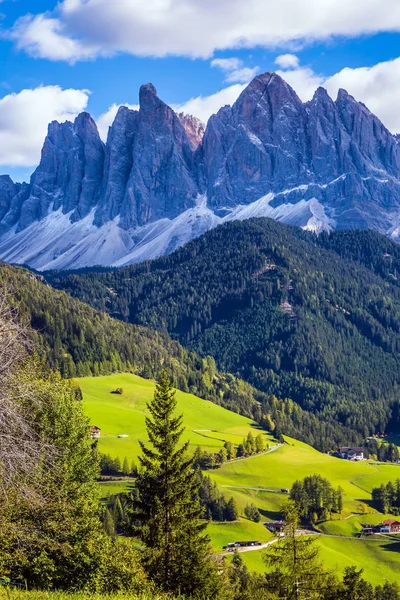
pixel 125 467
pixel 178 555
pixel 109 523
pixel 251 511
pixel 297 573
pixel 231 510
pixel 259 443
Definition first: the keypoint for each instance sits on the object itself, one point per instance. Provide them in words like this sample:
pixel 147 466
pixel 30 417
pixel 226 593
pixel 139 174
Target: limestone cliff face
pixel 69 174
pixel 331 158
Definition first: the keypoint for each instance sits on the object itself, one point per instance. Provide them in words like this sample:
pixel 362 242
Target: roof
pixel 350 449
pixel 390 522
pixel 95 427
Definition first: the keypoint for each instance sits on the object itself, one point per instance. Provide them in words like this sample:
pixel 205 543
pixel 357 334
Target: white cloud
pixel 24 118
pixel 234 70
pixel 303 80
pixel 81 29
pixel 43 37
pixel 106 119
pixel 287 61
pixel 378 87
pixel 205 106
pixel 227 64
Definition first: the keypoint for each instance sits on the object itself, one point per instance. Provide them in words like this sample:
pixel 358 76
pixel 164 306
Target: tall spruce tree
pixel 297 571
pixel 178 556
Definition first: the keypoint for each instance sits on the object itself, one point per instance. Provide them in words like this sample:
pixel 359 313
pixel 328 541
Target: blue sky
pixel 57 60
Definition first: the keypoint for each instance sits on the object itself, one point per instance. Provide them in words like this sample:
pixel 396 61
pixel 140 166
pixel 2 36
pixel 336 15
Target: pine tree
pixel 231 510
pixel 297 571
pixel 340 500
pixel 259 443
pixel 178 556
pixel 109 523
pixel 125 467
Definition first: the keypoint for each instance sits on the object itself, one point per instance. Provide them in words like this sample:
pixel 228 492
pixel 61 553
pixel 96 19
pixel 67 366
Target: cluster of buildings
pixel 387 526
pixel 350 453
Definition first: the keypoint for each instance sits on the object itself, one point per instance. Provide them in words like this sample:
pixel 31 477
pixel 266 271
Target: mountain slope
pixel 274 306
pixel 163 179
pixel 78 340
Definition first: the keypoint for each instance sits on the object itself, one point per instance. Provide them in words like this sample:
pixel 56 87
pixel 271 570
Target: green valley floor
pixel 259 479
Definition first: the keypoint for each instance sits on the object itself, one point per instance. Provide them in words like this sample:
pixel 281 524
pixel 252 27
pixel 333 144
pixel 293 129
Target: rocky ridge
pixel 163 178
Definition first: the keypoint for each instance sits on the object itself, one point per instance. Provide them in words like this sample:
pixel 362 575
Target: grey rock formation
pixel 194 128
pixel 320 164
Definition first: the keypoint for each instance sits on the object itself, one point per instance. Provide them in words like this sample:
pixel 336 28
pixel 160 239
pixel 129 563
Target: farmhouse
pixel 95 432
pixel 389 526
pixel 350 453
pixel 276 526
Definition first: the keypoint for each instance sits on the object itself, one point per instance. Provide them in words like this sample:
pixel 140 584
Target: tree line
pixel 316 499
pixel 386 498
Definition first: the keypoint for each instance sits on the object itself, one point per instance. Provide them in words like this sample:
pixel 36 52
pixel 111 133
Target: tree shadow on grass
pixel 271 515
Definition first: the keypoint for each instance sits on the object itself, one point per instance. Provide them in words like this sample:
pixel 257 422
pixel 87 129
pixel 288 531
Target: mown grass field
pixel 207 425
pixel 258 479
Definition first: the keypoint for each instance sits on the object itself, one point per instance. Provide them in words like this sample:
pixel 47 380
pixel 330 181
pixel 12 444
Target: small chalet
pixel 350 453
pixel 95 432
pixel 389 526
pixel 276 527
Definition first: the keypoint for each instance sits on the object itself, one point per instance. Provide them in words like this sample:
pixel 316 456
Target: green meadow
pixel 259 479
pixel 207 425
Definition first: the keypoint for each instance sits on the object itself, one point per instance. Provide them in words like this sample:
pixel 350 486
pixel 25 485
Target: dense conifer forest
pixel 78 340
pixel 313 319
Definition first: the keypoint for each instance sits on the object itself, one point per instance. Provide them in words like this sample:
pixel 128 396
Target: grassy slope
pixel 278 469
pixel 379 558
pixel 125 414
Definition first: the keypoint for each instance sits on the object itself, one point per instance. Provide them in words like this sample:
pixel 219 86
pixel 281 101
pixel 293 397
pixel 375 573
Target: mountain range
pixel 163 178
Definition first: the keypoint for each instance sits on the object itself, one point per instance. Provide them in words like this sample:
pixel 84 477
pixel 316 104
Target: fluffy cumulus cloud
pixel 378 87
pixel 235 71
pixel 287 61
pixel 24 118
pixel 205 106
pixel 82 29
pixel 106 119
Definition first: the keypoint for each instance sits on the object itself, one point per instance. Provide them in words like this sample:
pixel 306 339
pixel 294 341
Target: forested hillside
pixel 75 339
pixel 313 319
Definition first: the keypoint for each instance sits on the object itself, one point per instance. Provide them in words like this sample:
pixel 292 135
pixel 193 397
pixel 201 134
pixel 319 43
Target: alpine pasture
pixel 261 479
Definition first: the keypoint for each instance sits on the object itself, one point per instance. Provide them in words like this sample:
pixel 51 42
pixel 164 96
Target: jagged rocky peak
pixel 257 146
pixel 162 178
pixel 373 146
pixel 69 174
pixel 320 164
pixel 194 128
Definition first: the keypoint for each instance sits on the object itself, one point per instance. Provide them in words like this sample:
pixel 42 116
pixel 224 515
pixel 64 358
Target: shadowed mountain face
pixel 162 178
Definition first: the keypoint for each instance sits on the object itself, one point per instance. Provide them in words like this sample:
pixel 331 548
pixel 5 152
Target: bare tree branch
pixel 21 446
